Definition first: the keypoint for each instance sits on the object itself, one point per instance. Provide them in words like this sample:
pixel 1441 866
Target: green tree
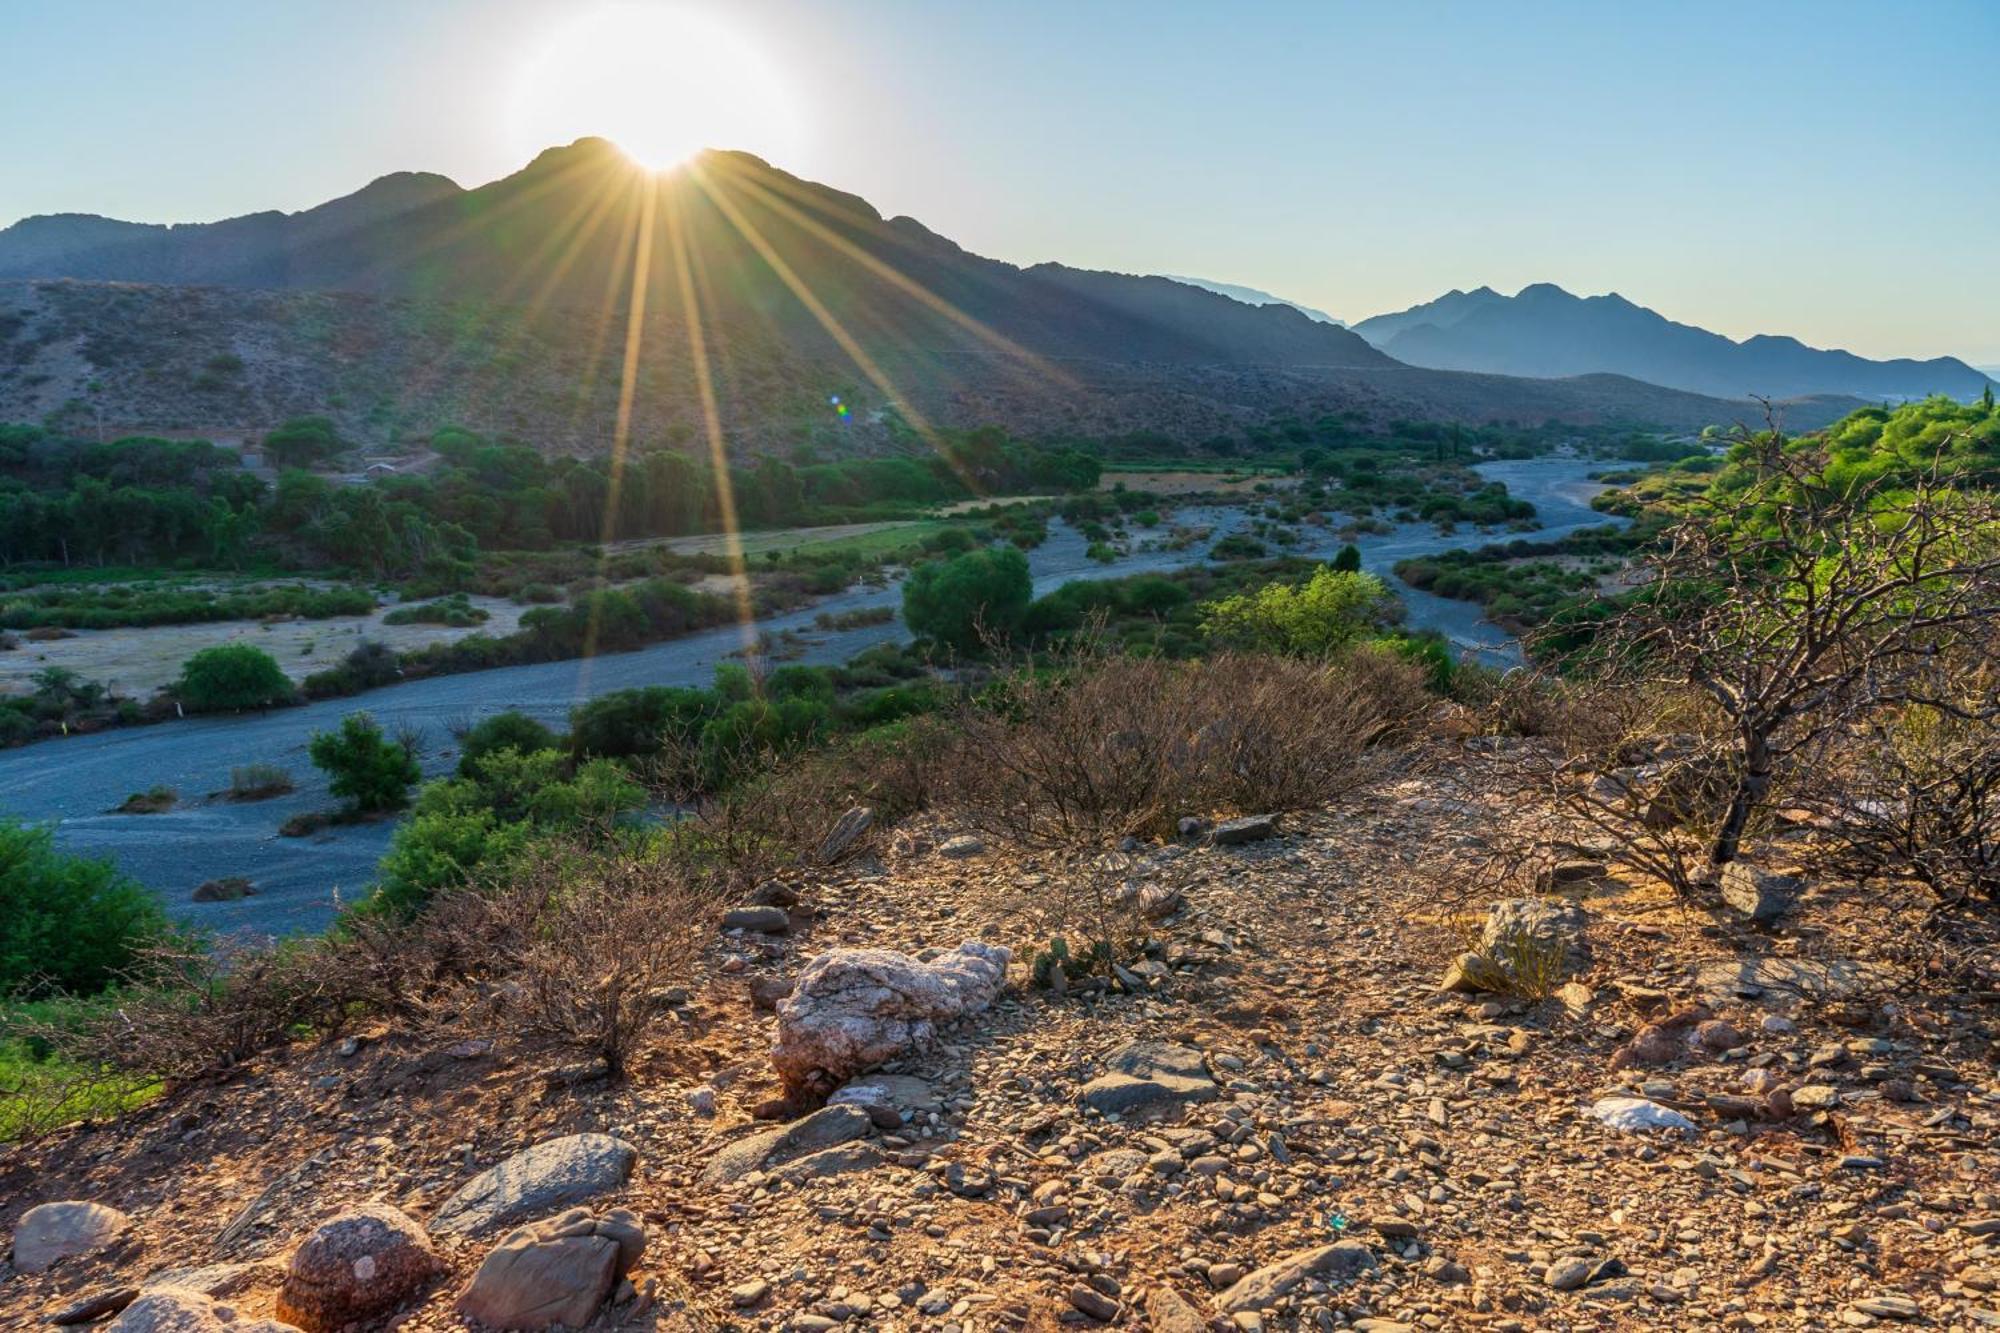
pixel 302 441
pixel 1327 613
pixel 958 602
pixel 1348 560
pixel 68 924
pixel 368 769
pixel 230 677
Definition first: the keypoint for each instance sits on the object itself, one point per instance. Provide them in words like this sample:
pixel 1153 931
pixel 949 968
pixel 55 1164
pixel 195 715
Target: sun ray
pixel 828 321
pixel 628 387
pixel 572 233
pixel 718 453
pixel 769 196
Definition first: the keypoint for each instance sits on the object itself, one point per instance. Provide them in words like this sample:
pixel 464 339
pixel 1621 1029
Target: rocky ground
pixel 1285 1124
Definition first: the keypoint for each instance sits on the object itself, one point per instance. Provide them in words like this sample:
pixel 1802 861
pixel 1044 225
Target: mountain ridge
pixel 1543 330
pixel 808 284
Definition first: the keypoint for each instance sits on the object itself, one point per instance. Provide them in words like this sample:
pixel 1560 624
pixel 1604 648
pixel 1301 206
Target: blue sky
pixel 1819 169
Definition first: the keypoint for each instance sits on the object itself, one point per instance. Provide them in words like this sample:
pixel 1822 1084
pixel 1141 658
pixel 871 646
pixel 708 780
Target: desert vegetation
pixel 1779 728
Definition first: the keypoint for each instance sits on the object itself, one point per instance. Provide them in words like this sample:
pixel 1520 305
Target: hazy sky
pixel 1822 169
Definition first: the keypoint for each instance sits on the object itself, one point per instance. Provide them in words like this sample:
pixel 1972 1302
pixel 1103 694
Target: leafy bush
pixel 470 831
pixel 68 924
pixel 231 677
pixel 957 602
pixel 456 612
pixel 513 730
pixel 630 723
pixel 366 768
pixel 1328 613
pixel 368 666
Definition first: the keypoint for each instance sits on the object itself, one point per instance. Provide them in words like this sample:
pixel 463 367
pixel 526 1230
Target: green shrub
pixel 455 612
pixel 366 768
pixel 629 723
pixel 509 730
pixel 230 677
pixel 957 602
pixel 68 924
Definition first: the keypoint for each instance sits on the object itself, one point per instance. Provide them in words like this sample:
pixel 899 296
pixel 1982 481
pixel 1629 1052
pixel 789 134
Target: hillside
pixel 414 303
pixel 230 364
pixel 1324 1094
pixel 1545 331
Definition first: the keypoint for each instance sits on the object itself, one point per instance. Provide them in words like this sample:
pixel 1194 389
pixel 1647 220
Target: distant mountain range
pixel 414 302
pixel 1543 330
pixel 1252 296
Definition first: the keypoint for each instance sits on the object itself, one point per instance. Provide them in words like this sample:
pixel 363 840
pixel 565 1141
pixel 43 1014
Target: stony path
pixel 1431 1156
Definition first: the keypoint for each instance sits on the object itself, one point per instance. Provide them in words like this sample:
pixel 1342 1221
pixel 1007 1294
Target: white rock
pixel 1636 1115
pixel 852 1009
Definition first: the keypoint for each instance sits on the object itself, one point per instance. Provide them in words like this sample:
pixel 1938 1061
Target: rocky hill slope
pixel 1277 1120
pixel 414 302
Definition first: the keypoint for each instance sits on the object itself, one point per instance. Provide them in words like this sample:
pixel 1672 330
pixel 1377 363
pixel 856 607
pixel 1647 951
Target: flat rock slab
pixel 828 1162
pixel 1250 828
pixel 827 1127
pixel 1269 1285
pixel 53 1232
pixel 1779 980
pixel 558 1272
pixel 532 1184
pixel 1167 1311
pixel 1146 1073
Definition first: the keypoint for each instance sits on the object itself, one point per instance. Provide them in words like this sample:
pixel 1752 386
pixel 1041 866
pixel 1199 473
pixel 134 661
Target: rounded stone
pixel 55 1231
pixel 356 1266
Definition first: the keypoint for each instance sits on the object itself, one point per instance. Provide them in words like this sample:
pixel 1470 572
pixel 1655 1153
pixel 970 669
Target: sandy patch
pixel 136 662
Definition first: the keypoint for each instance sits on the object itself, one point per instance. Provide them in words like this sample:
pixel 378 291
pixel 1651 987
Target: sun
pixel 659 81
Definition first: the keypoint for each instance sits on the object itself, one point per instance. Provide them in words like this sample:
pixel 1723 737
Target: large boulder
pixel 358 1265
pixel 52 1232
pixel 1149 1073
pixel 852 1009
pixel 537 1182
pixel 185 1310
pixel 556 1272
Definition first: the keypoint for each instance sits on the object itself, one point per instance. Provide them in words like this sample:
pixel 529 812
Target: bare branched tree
pixel 1802 605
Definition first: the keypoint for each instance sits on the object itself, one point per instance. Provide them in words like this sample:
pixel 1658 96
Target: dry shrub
pixel 1098 746
pixel 1914 791
pixel 1285 734
pixel 576 946
pixel 1647 767
pixel 605 943
pixel 189 1011
pixel 771 820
